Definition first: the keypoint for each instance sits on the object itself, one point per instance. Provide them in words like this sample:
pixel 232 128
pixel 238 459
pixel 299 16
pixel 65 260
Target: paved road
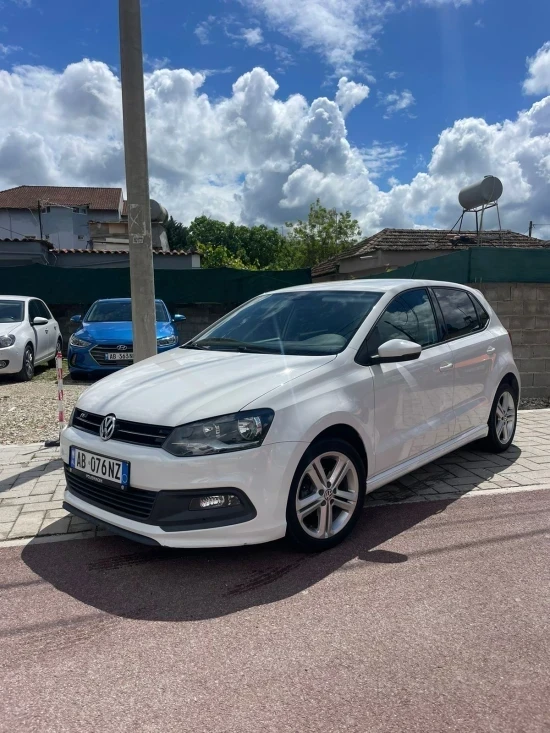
pixel 433 617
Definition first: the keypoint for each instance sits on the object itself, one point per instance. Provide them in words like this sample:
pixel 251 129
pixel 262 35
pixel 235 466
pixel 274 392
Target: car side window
pixel 481 312
pixel 459 313
pixel 44 311
pixel 409 316
pixel 34 310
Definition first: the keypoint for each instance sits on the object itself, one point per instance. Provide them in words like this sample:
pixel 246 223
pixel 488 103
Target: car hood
pixel 6 329
pixel 183 385
pixel 120 332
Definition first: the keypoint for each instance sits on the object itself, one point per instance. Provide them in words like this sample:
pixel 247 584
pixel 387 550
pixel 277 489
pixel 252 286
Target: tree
pixel 325 234
pixel 177 234
pixel 220 256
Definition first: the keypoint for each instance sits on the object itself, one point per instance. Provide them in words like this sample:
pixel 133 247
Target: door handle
pixel 45 330
pixel 491 350
pixel 445 366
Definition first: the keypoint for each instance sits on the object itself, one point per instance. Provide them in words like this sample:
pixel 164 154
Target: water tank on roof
pixel 158 212
pixel 480 194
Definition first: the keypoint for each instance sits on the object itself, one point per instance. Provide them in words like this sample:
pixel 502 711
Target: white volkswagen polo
pixel 279 418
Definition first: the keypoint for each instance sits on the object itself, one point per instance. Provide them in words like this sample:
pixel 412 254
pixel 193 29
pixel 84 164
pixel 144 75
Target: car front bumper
pixel 14 356
pixel 263 475
pixel 81 360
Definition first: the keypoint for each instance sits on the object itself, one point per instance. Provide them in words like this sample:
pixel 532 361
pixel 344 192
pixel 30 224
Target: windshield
pixel 119 310
pixel 305 323
pixel 12 311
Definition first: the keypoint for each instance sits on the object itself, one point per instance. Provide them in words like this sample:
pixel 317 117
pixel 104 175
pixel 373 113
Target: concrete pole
pixel 137 181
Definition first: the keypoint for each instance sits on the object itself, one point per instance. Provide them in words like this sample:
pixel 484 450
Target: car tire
pixel 326 520
pixel 58 348
pixel 502 420
pixel 27 369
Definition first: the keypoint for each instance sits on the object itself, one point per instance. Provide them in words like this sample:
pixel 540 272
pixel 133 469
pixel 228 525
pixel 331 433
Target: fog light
pixel 3 364
pixel 214 501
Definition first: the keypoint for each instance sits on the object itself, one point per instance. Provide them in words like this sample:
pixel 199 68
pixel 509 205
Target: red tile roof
pixel 173 253
pixel 27 197
pixel 427 239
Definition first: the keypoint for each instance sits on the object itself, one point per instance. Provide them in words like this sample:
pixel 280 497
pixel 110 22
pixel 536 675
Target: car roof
pixel 122 300
pixel 24 298
pixel 386 285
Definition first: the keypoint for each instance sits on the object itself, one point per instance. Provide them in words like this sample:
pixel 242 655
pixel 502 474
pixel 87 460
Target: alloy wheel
pixel 327 495
pixel 28 363
pixel 505 417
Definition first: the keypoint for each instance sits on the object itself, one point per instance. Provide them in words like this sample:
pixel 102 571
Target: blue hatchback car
pixel 103 344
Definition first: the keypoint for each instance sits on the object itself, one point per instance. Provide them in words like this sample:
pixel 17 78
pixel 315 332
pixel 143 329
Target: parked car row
pixel 30 335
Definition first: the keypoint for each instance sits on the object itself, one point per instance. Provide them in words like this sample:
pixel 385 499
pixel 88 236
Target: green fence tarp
pixel 480 264
pixel 63 285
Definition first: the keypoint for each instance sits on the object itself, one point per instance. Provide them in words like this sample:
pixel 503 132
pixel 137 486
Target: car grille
pixel 125 430
pixel 132 503
pixel 99 354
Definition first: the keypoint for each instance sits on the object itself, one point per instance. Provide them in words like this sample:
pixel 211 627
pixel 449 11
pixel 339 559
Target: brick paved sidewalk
pixel 32 481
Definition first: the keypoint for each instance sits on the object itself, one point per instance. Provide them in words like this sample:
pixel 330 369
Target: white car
pixel 29 335
pixel 278 418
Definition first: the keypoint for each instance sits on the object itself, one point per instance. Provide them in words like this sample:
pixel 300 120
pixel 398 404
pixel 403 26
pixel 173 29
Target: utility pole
pixel 530 228
pixel 142 281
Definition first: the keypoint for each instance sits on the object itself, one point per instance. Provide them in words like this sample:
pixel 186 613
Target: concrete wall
pixel 524 309
pixel 102 261
pixel 19 223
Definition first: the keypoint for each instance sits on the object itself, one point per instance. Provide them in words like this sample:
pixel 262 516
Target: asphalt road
pixel 433 617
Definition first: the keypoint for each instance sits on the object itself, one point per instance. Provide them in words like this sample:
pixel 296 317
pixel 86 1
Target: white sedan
pixel 29 335
pixel 280 417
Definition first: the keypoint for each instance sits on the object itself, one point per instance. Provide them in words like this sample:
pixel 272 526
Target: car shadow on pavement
pixel 30 473
pixel 128 580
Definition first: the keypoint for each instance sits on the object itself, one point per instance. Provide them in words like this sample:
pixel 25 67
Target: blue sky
pixel 427 65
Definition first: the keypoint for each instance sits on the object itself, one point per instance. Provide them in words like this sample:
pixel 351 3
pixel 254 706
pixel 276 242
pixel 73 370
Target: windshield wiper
pixel 228 344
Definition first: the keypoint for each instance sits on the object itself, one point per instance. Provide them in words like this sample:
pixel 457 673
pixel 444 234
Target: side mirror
pixel 398 350
pixel 178 318
pixel 76 319
pixel 39 321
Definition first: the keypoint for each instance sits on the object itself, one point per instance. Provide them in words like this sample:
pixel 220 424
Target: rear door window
pixel 460 317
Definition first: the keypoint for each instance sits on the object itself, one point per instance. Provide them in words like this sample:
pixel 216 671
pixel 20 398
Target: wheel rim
pixel 327 495
pixel 28 362
pixel 505 417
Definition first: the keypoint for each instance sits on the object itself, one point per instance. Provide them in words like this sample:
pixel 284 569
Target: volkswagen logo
pixel 122 347
pixel 107 427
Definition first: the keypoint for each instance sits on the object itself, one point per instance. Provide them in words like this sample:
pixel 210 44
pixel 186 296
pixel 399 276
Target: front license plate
pixel 100 469
pixel 120 356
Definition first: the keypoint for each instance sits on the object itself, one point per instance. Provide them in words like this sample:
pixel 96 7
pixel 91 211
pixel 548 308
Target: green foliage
pixel 177 234
pixel 325 234
pixel 212 257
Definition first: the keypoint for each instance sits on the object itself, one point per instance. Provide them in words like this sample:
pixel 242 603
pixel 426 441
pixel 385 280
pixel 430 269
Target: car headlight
pixel 7 341
pixel 167 341
pixel 79 343
pixel 220 434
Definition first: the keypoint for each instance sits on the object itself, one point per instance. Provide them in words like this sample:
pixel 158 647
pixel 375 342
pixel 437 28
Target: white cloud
pixel 394 74
pixel 381 158
pixel 338 30
pixel 397 102
pixel 202 30
pixel 350 94
pixel 252 36
pixel 479 23
pixel 5 50
pixel 255 157
pixel 538 66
